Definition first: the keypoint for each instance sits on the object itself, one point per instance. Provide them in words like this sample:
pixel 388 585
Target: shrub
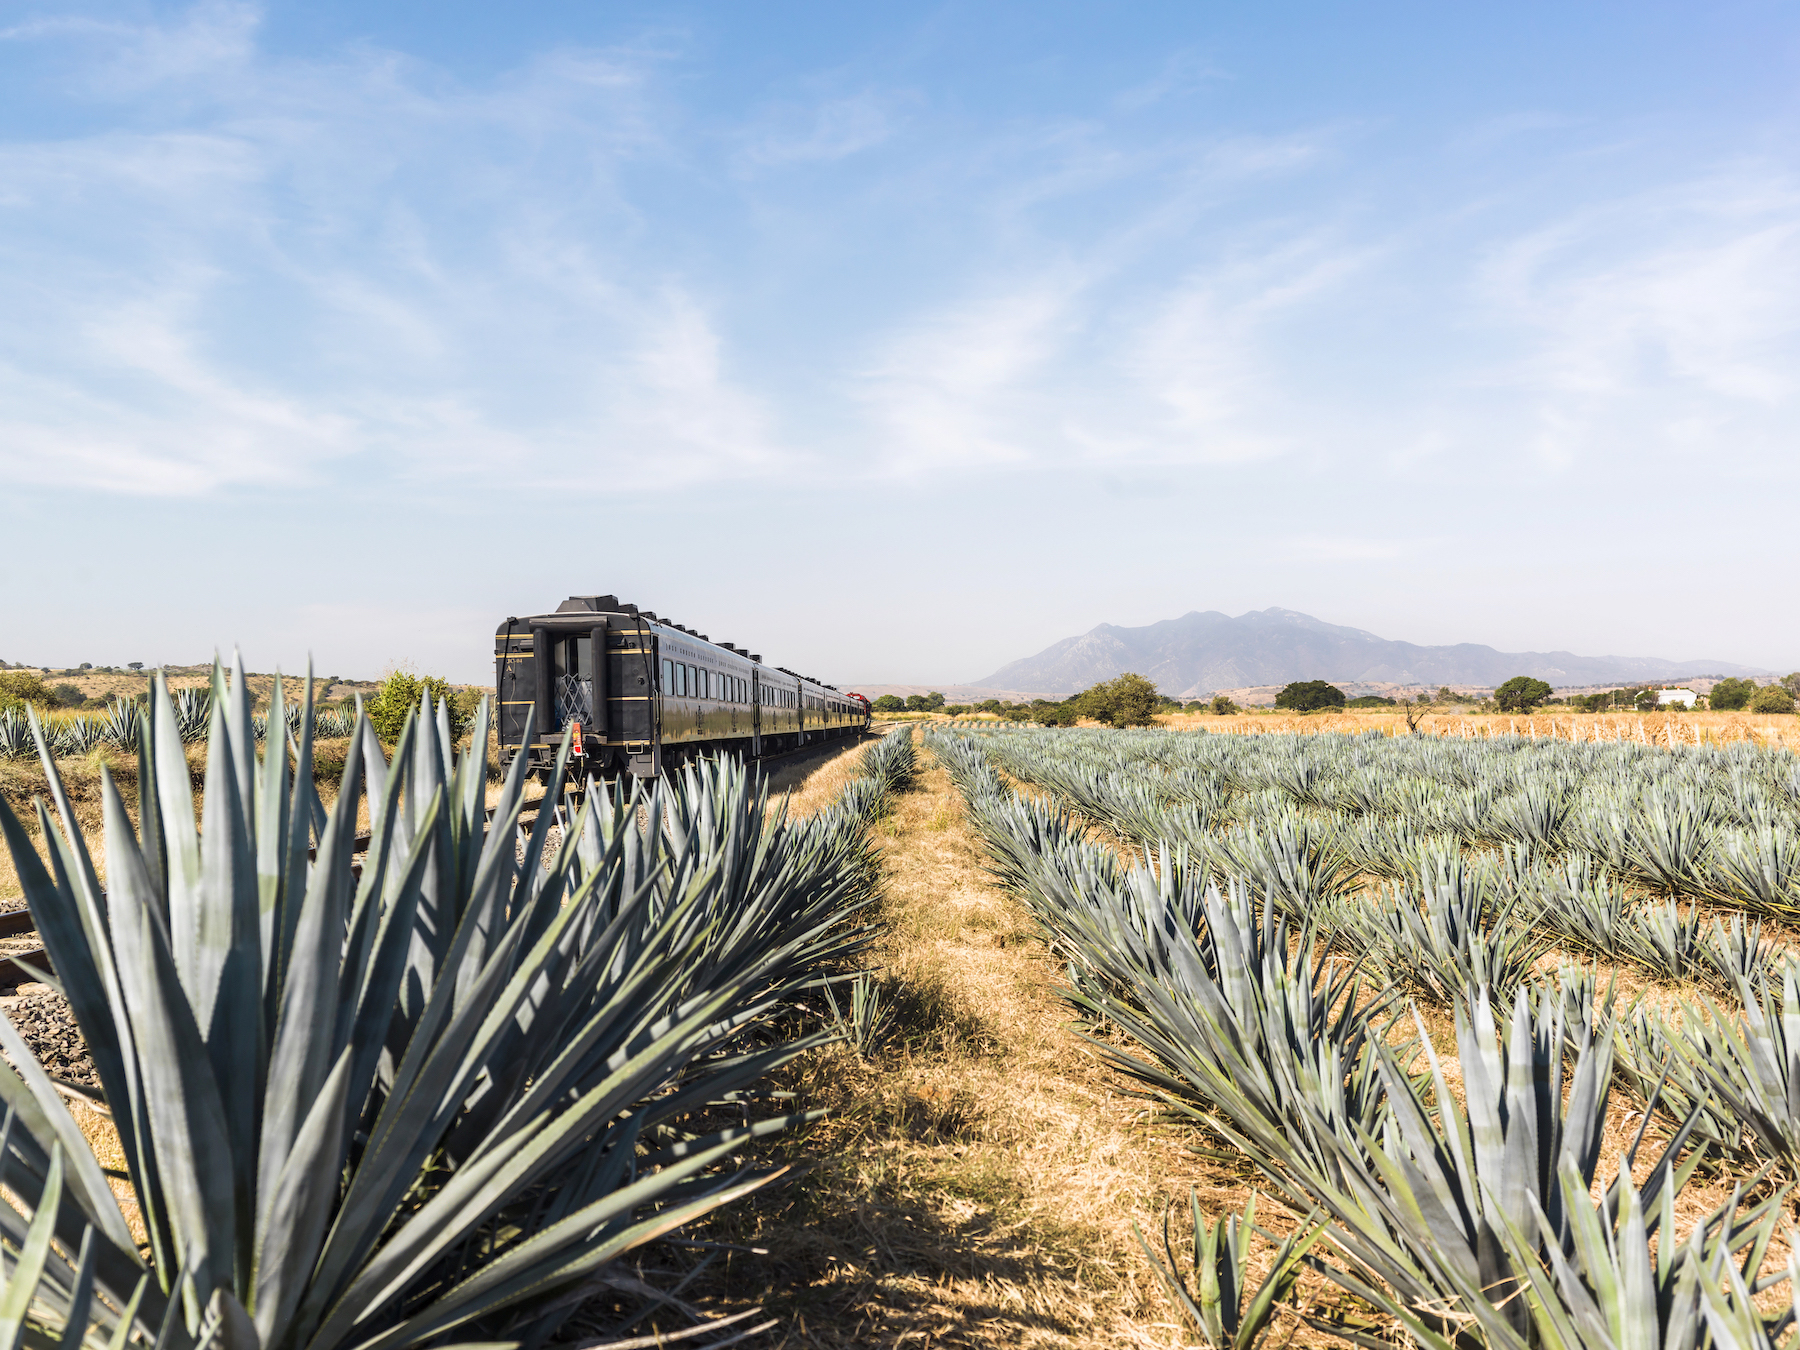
pixel 1370 701
pixel 1521 694
pixel 1772 698
pixel 1222 705
pixel 1731 695
pixel 68 695
pixel 399 695
pixel 1309 696
pixel 889 703
pixel 18 688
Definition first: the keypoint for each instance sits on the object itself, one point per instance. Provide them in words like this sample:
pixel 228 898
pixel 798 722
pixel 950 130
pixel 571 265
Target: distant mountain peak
pixel 1205 650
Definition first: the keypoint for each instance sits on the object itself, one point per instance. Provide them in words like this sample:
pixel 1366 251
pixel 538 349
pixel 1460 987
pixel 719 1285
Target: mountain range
pixel 1206 651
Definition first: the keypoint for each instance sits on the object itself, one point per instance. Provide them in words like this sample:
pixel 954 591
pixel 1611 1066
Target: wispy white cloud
pixel 1669 315
pixel 353 259
pixel 831 130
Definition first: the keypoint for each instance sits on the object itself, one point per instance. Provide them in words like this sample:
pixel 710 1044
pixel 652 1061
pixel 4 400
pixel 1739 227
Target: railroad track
pixel 18 923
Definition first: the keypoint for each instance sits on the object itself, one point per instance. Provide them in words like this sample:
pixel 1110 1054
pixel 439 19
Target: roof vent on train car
pixel 589 604
pixel 754 657
pixel 650 614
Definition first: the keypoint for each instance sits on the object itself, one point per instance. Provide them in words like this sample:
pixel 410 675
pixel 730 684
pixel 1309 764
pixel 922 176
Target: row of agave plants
pixel 1481 902
pixel 120 726
pixel 1467 1222
pixel 437 1100
pixel 1713 822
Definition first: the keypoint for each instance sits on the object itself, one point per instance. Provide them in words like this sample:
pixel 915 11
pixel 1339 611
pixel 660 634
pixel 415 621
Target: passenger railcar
pixel 642 694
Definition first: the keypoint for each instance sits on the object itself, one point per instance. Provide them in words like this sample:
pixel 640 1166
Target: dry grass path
pixel 978 1179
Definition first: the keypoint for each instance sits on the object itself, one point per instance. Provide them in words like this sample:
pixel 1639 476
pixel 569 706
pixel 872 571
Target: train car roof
pixel 579 611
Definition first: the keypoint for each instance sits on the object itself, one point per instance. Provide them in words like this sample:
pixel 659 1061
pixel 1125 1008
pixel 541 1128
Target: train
pixel 633 693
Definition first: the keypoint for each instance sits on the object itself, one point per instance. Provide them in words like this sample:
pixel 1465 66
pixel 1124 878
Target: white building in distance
pixel 1685 697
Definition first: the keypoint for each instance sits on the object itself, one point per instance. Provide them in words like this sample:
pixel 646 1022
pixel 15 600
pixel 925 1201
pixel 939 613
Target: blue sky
pixel 896 342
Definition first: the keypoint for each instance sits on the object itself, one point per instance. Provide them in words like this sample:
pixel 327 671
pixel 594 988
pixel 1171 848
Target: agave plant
pixel 1760 868
pixel 1440 949
pixel 1454 1208
pixel 77 734
pixel 192 711
pixel 330 724
pixel 1254 1033
pixel 447 1094
pixel 1750 1069
pixel 15 734
pixel 122 724
pixel 1669 839
pixel 1213 1297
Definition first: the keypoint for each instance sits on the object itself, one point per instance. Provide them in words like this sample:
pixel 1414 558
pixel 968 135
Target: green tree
pixel 1731 695
pixel 933 701
pixel 1309 696
pixel 1772 698
pixel 1445 694
pixel 399 695
pixel 1370 701
pixel 69 695
pixel 1128 700
pixel 989 705
pixel 915 703
pixel 889 703
pixel 1521 694
pixel 1222 706
pixel 17 688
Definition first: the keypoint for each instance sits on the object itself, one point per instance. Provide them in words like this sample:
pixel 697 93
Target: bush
pixel 17 689
pixel 1128 700
pixel 399 695
pixel 1309 696
pixel 1773 698
pixel 1370 701
pixel 1521 694
pixel 1222 705
pixel 68 695
pixel 889 703
pixel 1731 695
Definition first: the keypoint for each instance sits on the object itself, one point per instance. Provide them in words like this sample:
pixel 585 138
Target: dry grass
pixel 977 1181
pixel 1665 729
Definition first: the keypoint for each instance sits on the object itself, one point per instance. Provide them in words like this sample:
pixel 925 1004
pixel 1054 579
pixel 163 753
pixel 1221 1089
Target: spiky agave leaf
pixel 1213 1298
pixel 368 1112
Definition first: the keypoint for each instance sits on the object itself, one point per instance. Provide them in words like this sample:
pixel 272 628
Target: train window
pixel 668 683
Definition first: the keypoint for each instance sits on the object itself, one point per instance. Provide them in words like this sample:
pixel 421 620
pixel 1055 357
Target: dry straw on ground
pixel 977 1181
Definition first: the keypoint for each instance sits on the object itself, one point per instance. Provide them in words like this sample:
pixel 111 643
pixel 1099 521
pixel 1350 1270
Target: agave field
pixel 1252 926
pixel 436 1100
pixel 119 726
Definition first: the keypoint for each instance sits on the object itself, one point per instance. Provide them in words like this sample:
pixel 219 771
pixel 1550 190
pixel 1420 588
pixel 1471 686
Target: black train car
pixel 649 695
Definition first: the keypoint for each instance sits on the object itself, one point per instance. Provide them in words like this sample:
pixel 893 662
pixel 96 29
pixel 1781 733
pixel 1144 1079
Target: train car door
pixel 632 703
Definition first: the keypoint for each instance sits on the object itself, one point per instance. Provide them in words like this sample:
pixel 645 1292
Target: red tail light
pixel 576 745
